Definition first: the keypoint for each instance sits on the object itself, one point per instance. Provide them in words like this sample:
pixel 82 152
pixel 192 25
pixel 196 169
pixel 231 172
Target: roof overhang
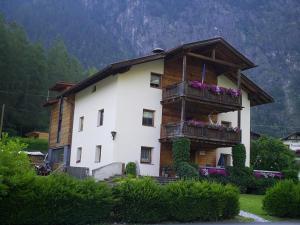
pixel 258 96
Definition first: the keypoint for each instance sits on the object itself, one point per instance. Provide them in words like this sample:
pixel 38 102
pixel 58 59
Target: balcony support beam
pixel 210 59
pixel 239 87
pixel 184 78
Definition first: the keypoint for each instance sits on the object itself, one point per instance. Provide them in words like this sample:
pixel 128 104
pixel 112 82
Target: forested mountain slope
pixel 103 31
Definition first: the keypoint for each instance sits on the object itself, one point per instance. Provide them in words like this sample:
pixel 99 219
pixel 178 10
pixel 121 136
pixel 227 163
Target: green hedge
pixel 139 201
pixel 194 200
pixel 283 200
pixel 57 199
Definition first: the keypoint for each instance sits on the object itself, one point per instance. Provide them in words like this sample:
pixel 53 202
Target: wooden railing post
pixel 239 87
pixel 182 117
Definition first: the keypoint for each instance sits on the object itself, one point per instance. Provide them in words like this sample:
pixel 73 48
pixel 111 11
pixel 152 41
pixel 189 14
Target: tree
pixel 27 70
pixel 269 153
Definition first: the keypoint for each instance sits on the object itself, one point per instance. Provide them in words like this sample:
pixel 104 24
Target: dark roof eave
pixel 111 69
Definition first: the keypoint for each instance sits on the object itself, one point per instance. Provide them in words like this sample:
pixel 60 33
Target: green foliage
pixel 291 174
pixel 56 199
pixel 181 158
pixel 13 162
pixel 269 153
pixel 139 201
pixel 186 171
pixel 35 144
pixel 260 186
pixel 283 200
pixel 191 200
pixel 27 71
pixel 239 156
pixel 241 177
pixel 130 169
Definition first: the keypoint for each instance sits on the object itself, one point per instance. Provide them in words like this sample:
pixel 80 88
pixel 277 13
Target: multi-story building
pixel 132 110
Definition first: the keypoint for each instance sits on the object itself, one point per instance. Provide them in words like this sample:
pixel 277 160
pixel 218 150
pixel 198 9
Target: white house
pixel 132 110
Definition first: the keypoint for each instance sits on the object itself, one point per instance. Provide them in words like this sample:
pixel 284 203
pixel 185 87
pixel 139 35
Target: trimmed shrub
pixel 239 156
pixel 194 200
pixel 181 158
pixel 130 169
pixel 186 171
pixel 56 199
pixel 139 201
pixel 283 199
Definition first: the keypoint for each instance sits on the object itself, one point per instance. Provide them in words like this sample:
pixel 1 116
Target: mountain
pixel 99 32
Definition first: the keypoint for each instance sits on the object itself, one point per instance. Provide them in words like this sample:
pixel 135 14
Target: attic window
pixel 94 88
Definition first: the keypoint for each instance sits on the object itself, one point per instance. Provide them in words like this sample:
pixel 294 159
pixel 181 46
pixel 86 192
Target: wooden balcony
pixel 206 134
pixel 213 102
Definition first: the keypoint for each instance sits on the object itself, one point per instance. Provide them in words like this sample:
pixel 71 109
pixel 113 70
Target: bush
pixel 191 200
pixel 131 169
pixel 186 171
pixel 139 201
pixel 260 186
pixel 239 156
pixel 283 200
pixel 35 144
pixel 291 174
pixel 181 158
pixel 241 177
pixel 56 199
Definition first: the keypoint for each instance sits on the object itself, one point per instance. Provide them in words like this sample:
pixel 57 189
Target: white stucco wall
pixel 87 104
pixel 123 98
pixel 232 117
pixel 135 94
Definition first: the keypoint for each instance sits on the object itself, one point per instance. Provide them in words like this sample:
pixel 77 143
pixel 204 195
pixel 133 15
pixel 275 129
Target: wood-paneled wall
pixel 66 126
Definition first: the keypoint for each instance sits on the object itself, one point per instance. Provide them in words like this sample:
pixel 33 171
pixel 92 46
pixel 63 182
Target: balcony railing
pixel 206 133
pixel 202 95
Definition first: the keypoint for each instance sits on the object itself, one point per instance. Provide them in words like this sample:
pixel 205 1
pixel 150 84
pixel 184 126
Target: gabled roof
pixel 258 95
pixel 290 135
pixel 61 86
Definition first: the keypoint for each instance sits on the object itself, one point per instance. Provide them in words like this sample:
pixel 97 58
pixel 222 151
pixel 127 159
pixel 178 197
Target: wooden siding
pixel 66 125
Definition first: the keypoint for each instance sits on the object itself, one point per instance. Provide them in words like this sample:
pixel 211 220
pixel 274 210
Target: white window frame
pixel 98 151
pixel 153 118
pixel 78 154
pixel 81 121
pixel 100 118
pixel 152 84
pixel 150 155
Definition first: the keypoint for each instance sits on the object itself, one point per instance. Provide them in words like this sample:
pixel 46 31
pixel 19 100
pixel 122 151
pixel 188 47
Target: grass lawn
pixel 253 204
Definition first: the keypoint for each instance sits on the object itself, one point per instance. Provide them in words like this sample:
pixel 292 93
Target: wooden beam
pixel 184 77
pixel 239 87
pixel 213 53
pixel 184 68
pixel 209 59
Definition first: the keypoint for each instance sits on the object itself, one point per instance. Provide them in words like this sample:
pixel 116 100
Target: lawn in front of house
pixel 253 204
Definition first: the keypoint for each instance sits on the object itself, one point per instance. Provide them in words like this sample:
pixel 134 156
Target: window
pixel 226 124
pixel 98 154
pixel 155 80
pixel 78 156
pixel 94 88
pixel 148 117
pixel 146 154
pixel 100 117
pixel 81 119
